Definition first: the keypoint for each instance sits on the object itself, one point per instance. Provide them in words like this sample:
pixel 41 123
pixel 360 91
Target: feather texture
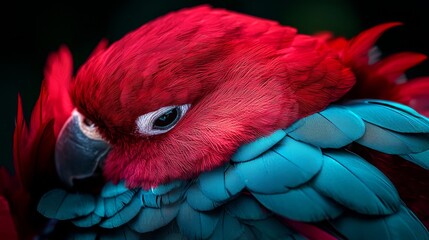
pixel 335 127
pixel 402 225
pixel 262 77
pixel 294 179
pixel 373 193
pixel 34 145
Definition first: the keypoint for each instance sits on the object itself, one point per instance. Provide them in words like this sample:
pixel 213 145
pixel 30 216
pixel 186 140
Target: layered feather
pixel 34 145
pixel 271 173
pixel 288 175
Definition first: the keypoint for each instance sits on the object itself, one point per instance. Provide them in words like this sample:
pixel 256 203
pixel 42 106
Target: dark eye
pixel 160 121
pixel 168 119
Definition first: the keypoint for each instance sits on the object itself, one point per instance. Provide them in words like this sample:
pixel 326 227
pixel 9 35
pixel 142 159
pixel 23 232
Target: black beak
pixel 77 156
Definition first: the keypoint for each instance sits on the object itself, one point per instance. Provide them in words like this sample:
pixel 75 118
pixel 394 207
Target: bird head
pixel 180 94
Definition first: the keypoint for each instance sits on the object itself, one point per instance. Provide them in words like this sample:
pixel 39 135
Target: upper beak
pixel 77 156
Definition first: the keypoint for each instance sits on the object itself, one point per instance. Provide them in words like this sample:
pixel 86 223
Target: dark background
pixel 30 32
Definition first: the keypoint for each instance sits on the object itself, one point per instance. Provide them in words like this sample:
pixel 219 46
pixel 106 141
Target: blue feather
pixel 151 200
pixel 169 232
pixel 212 184
pixel 112 190
pixel 301 204
pixel 271 228
pixel 198 201
pixel 390 115
pixel 87 221
pixel 289 164
pixel 247 208
pixel 391 142
pixel 100 210
pixel 166 188
pixel 421 159
pixel 173 196
pixel 194 224
pixel 234 184
pixel 401 225
pixel 61 205
pixel 125 214
pixel 251 150
pixel 334 127
pixel 113 205
pixel 228 227
pixel 356 184
pixel 150 219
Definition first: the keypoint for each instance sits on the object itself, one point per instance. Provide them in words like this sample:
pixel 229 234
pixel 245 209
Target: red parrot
pixel 187 115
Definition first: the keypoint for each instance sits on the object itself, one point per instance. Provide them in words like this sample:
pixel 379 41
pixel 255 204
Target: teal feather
pixel 113 205
pixel 421 159
pixel 289 164
pixel 173 196
pixel 334 127
pixel 100 210
pixel 87 221
pixel 212 184
pixel 301 204
pixel 124 214
pixel 356 184
pixel 234 184
pixel 271 228
pixel 112 190
pixel 228 227
pixel 391 142
pixel 401 225
pixel 151 200
pixel 169 232
pixel 166 188
pixel 194 224
pixel 150 219
pixel 289 173
pixel 390 115
pixel 61 205
pixel 251 150
pixel 198 201
pixel 306 159
pixel 247 208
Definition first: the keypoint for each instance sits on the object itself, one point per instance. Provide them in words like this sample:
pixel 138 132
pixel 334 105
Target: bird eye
pixel 168 119
pixel 161 120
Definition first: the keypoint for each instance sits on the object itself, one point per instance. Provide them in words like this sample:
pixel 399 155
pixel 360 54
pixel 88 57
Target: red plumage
pixel 244 76
pixel 385 79
pixel 34 146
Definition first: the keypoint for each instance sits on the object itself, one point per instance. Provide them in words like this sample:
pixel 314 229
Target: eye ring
pixel 161 120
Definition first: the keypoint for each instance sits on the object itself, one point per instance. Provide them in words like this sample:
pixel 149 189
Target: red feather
pixel 385 79
pixel 244 76
pixel 34 146
pixel 7 227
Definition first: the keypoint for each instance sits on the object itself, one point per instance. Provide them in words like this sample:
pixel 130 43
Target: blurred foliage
pixel 29 35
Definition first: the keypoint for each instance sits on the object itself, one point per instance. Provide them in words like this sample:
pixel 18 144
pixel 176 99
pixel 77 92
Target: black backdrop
pixel 30 32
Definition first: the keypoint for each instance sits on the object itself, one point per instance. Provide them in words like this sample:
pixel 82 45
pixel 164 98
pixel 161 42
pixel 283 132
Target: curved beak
pixel 77 156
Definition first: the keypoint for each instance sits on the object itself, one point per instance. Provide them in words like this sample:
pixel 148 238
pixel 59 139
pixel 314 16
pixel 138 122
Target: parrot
pixel 211 124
